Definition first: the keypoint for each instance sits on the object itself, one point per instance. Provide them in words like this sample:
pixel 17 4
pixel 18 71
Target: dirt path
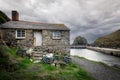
pixel 98 71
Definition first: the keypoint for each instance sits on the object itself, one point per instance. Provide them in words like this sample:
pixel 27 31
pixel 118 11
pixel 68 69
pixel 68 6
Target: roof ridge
pixel 34 25
pixel 41 22
pixel 31 21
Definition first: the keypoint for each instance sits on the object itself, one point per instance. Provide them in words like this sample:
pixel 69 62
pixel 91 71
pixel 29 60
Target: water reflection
pixel 96 56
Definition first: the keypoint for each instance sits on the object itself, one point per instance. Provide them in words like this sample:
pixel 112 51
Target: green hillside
pixel 3 17
pixel 112 40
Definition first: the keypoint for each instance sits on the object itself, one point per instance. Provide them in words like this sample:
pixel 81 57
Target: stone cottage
pixel 39 36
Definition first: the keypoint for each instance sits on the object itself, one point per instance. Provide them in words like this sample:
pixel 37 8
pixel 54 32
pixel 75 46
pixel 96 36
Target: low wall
pixel 114 52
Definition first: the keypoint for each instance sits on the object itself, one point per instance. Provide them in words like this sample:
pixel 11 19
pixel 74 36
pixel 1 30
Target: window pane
pixel 23 34
pixel 56 35
pixel 20 33
pixel 23 31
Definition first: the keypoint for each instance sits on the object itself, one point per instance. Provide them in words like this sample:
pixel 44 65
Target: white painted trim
pixel 56 32
pixel 19 37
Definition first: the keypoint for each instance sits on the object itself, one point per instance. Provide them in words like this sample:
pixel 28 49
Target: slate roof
pixel 33 25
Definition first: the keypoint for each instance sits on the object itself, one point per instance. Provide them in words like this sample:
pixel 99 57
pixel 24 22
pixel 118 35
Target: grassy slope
pixel 111 40
pixel 23 69
pixel 3 17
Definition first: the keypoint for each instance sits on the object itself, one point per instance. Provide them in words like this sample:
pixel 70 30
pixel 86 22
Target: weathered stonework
pixel 9 36
pixel 56 44
pixel 48 43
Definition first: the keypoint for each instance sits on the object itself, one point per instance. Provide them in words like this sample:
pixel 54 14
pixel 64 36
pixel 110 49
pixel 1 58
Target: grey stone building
pixel 39 36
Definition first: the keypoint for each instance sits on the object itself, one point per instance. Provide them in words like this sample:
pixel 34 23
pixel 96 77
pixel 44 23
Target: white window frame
pixel 57 35
pixel 21 37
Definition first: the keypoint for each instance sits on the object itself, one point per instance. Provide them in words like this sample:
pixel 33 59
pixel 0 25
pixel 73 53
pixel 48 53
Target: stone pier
pixel 114 52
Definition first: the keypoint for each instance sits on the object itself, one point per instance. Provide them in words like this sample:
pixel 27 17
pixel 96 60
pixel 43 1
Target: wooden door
pixel 38 38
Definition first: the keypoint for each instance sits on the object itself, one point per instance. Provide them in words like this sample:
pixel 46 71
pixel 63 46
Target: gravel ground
pixel 98 71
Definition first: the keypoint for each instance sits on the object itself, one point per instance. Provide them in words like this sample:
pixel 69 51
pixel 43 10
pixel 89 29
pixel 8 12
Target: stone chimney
pixel 15 16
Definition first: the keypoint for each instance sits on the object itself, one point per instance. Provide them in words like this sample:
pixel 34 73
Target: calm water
pixel 96 56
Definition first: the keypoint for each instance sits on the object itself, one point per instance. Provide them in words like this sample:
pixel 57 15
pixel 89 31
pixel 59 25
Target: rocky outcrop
pixel 80 41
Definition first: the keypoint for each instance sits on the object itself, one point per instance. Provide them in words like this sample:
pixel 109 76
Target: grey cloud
pixel 88 18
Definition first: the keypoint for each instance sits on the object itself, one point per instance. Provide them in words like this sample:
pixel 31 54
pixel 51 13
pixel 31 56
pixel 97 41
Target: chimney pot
pixel 15 16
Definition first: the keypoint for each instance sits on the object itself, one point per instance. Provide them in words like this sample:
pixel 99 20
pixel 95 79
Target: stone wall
pixel 114 52
pixel 59 45
pixel 28 41
pixel 9 35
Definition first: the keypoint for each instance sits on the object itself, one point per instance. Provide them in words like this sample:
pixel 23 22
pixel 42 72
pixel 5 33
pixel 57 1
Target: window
pixel 56 35
pixel 20 34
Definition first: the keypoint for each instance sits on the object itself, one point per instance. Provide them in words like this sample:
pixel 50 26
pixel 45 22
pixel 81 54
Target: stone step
pixel 34 55
pixel 39 52
pixel 37 58
pixel 37 55
pixel 37 49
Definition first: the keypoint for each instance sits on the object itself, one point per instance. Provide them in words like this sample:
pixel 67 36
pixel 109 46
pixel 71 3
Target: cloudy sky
pixel 88 18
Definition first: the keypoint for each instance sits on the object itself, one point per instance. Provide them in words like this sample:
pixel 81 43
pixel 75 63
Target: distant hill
pixel 3 17
pixel 112 40
pixel 80 41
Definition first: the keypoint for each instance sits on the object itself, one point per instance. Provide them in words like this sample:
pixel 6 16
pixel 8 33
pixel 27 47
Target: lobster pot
pixel 56 57
pixel 67 59
pixel 47 60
